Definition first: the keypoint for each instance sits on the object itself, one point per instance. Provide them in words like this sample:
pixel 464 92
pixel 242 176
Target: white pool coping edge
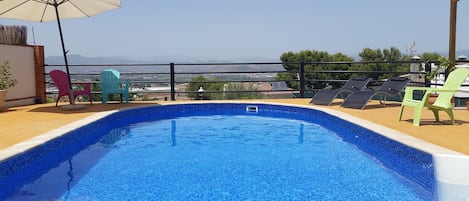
pixel 50 135
pixel 382 130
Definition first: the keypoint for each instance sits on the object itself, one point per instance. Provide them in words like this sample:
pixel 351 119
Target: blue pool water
pixel 222 152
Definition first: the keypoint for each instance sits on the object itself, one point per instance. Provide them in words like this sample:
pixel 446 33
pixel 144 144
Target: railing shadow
pixel 91 108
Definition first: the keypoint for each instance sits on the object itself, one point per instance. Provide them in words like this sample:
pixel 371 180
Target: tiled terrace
pixel 22 123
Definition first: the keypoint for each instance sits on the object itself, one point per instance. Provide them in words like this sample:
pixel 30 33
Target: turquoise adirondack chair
pixel 112 84
pixel 443 102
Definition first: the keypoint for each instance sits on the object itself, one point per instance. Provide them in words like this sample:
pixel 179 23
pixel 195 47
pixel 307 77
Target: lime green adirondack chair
pixel 112 84
pixel 443 102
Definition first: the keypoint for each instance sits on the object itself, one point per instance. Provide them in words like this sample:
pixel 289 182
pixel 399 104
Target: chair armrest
pixel 86 85
pixel 409 91
pixel 126 84
pixel 428 89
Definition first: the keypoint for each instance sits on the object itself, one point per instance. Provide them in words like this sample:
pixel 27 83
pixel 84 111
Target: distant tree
pixel 213 84
pixel 427 56
pixel 238 93
pixel 292 62
pixel 383 70
pixel 234 90
pixel 369 54
pixel 384 63
pixel 392 54
pixel 341 57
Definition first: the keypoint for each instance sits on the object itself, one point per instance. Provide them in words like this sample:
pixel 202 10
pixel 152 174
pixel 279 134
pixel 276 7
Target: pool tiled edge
pixel 390 133
pixel 53 134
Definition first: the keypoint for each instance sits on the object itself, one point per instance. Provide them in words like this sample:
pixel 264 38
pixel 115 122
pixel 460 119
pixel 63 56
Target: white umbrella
pixel 48 10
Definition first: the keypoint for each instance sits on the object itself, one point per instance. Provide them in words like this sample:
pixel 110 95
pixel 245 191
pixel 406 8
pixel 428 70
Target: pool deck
pixel 20 124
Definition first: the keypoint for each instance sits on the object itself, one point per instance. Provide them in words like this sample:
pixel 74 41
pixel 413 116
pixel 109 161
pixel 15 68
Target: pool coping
pixel 379 129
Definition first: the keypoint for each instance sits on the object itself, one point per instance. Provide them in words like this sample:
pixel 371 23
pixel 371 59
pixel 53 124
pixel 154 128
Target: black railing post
pixel 302 79
pixel 428 69
pixel 173 82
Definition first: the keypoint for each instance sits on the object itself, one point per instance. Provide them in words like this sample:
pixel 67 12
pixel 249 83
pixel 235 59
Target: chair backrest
pixel 110 79
pixel 60 80
pixel 394 85
pixel 453 83
pixel 356 83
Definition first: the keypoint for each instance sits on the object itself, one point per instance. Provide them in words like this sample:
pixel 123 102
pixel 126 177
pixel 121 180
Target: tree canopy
pixel 322 68
pixel 215 89
pixel 314 61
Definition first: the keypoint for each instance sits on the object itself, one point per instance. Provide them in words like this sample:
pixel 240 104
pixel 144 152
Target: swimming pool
pixel 412 165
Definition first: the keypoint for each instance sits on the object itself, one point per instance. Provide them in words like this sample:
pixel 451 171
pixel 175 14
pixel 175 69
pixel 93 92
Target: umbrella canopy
pixel 44 10
pixel 48 10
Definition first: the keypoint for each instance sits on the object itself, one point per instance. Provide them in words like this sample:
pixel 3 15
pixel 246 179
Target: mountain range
pixel 97 64
pixel 79 59
pixel 115 61
pixel 166 59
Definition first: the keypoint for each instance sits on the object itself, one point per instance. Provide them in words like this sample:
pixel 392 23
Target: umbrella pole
pixel 452 34
pixel 72 101
pixel 72 105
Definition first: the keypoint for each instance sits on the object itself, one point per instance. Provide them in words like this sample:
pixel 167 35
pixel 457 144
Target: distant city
pixel 148 83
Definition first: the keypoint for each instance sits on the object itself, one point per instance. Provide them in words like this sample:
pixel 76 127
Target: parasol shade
pixel 44 10
pixel 48 10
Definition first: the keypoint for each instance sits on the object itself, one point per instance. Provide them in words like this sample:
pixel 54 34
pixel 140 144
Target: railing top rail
pixel 221 64
pixel 249 63
pixel 104 65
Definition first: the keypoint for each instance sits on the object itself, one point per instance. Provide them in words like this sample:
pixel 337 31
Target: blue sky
pixel 254 28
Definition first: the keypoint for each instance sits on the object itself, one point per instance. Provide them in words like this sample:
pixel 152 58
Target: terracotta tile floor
pixel 22 123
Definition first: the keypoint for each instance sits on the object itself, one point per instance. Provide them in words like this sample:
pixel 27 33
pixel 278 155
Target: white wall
pixel 21 60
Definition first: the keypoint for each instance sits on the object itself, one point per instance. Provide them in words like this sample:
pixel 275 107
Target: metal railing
pixel 173 79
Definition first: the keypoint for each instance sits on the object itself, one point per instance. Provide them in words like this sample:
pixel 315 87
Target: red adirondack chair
pixel 60 80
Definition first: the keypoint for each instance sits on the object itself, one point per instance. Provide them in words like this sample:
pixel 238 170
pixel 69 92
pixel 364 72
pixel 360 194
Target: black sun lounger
pixel 392 87
pixel 326 96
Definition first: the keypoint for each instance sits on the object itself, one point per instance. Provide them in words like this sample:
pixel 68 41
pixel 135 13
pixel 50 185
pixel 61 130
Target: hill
pixel 123 64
